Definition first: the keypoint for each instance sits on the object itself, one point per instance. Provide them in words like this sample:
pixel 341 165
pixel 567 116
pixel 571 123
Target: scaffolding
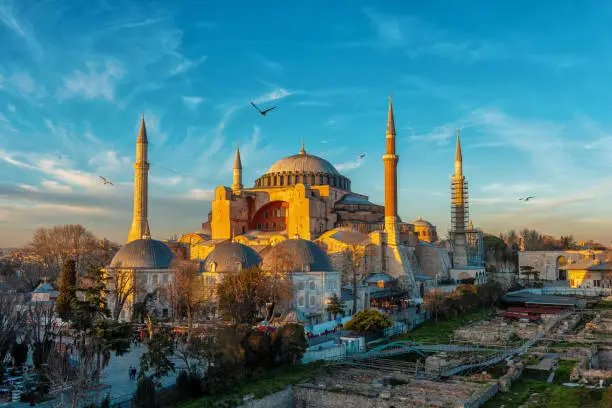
pixel 460 206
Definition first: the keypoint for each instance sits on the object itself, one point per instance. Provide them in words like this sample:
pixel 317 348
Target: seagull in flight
pixel 262 112
pixel 106 181
pixel 526 198
pixel 361 156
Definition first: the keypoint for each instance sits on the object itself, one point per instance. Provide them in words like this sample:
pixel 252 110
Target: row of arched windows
pixel 276 180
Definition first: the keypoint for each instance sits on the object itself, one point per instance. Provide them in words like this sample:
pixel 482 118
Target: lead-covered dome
pixel 296 255
pixel 303 168
pixel 143 254
pixel 231 256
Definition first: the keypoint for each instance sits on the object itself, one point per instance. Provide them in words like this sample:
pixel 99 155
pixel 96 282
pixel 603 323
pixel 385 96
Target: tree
pixel 144 397
pixel 257 349
pixel 12 320
pixel 530 272
pixel 606 400
pixel 43 329
pixel 19 353
pixel 433 303
pixel 157 358
pixel 121 286
pixel 369 320
pixel 66 297
pixel 245 296
pixel 289 342
pixel 335 306
pixel 181 290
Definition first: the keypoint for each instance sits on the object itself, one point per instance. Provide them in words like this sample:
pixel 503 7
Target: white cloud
pixel 99 81
pixel 55 186
pixel 110 162
pixel 274 95
pixel 199 194
pixel 27 187
pixel 192 102
pixel 517 188
pixel 350 165
pixel 186 64
pixel 156 135
pixel 23 82
pixel 10 19
pixel 11 107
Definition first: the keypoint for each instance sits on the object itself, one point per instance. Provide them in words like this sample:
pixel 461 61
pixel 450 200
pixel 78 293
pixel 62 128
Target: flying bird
pixel 526 198
pixel 262 112
pixel 361 156
pixel 106 181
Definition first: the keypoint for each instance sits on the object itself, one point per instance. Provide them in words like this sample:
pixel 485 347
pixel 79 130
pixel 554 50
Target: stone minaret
pixel 140 222
pixel 237 184
pixel 459 210
pixel 390 160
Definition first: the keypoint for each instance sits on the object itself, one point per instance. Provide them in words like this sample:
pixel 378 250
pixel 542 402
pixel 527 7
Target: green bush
pixel 368 321
pixel 145 393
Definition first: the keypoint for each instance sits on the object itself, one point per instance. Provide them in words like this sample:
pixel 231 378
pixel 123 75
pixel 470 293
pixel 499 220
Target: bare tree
pixel 43 327
pixel 12 320
pixel 182 289
pixel 121 286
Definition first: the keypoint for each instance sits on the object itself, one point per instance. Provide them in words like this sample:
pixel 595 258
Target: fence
pixel 334 353
pixel 561 290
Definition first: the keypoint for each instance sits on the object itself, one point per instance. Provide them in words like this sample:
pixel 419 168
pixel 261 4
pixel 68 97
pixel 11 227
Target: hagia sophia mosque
pixel 301 218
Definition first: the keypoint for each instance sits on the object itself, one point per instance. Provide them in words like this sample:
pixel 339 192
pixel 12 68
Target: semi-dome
pixel 143 254
pixel 231 256
pixel 303 168
pixel 422 223
pixel 296 255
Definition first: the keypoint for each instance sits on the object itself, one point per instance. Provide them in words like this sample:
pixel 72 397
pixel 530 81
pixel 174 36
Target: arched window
pixel 320 179
pixel 275 179
pixel 266 214
pixel 313 286
pixel 238 267
pixel 297 178
pixel 301 301
pixel 267 225
pixel 301 286
pixel 213 267
pixel 312 179
pixel 282 180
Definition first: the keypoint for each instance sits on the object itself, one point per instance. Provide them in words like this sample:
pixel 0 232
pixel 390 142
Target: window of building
pixel 313 301
pixel 312 179
pixel 213 267
pixel 267 225
pixel 297 179
pixel 275 180
pixel 571 282
pixel 320 179
pixel 301 301
pixel 266 214
pixel 313 286
pixel 165 279
pixel 282 180
pixel 238 267
pixel 165 313
pixel 273 225
pixel 258 226
pixel 597 283
pixel 301 286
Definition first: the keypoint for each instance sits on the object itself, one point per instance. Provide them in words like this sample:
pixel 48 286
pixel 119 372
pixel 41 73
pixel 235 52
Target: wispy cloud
pixel 10 18
pixel 270 65
pixel 350 165
pixel 186 64
pixel 199 194
pixel 55 186
pixel 11 107
pixel 99 81
pixel 192 102
pixel 109 163
pixel 274 95
pixel 314 103
pixel 516 188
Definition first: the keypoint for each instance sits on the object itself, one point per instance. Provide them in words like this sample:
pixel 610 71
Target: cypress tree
pixel 67 289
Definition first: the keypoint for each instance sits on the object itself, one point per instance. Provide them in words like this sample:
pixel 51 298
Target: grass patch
pixel 570 345
pixel 440 332
pixel 564 370
pixel 266 383
pixel 604 304
pixel 546 396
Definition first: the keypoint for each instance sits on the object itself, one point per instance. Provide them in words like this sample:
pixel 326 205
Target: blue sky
pixel 524 80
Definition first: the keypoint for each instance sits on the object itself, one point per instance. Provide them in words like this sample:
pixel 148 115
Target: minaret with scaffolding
pixel 459 195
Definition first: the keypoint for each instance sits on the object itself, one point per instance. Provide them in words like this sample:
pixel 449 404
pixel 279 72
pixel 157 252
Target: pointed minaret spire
pixel 237 184
pixel 303 151
pixel 458 157
pixel 390 160
pixel 140 220
pixel 142 133
pixel 391 120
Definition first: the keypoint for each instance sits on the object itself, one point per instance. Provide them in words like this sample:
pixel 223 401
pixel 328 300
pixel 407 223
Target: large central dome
pixel 300 163
pixel 303 168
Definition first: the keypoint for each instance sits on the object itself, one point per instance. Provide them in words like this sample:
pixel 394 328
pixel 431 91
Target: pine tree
pixel 67 290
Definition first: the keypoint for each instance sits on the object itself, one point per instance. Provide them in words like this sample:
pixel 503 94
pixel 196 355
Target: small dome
pixel 228 255
pixel 303 163
pixel 143 254
pixel 422 223
pixel 296 255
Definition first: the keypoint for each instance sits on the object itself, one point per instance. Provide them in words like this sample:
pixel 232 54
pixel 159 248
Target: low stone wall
pixel 281 399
